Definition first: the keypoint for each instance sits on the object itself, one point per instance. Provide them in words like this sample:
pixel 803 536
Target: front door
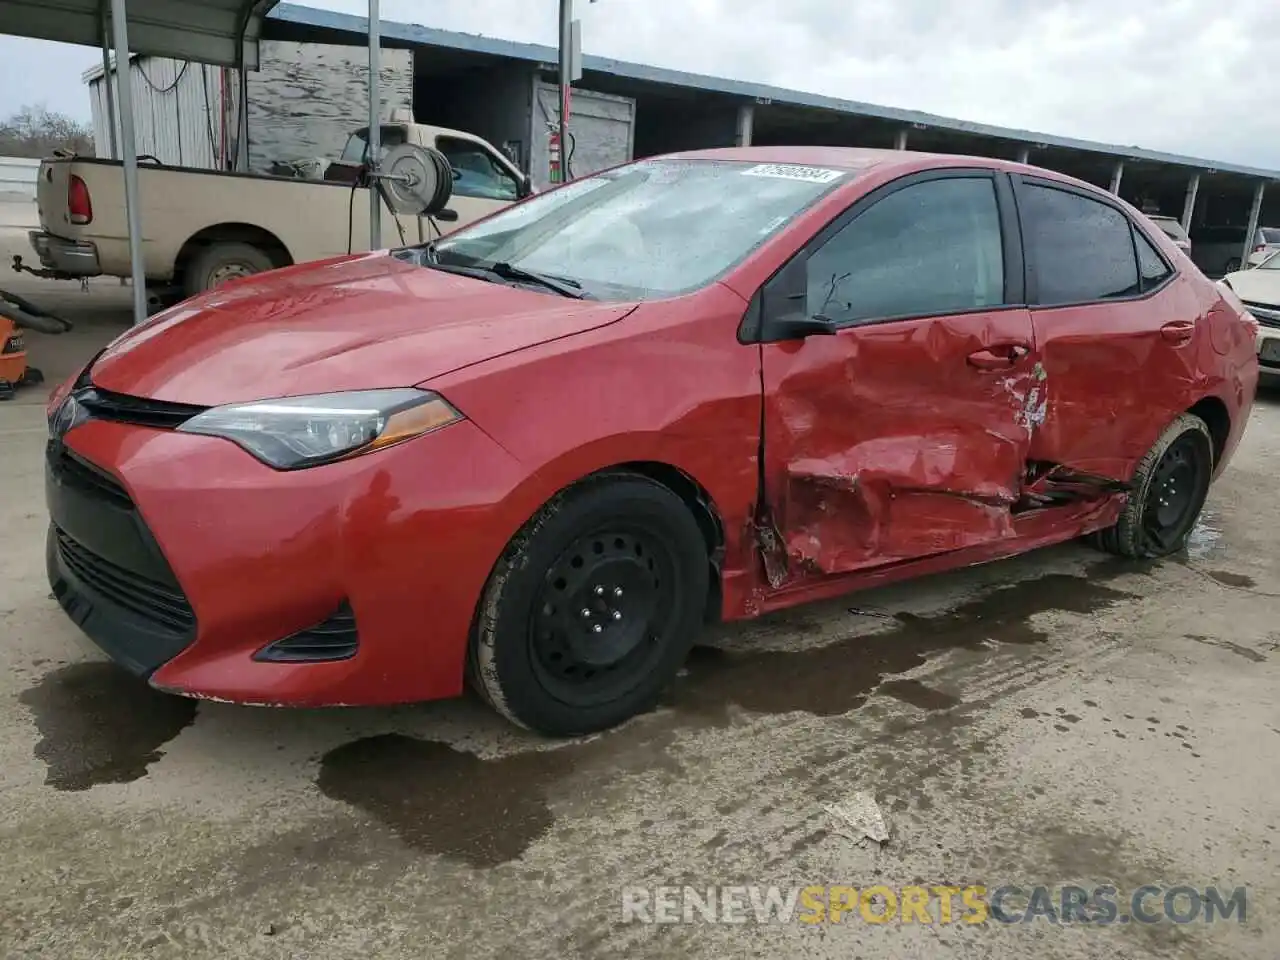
pixel 906 432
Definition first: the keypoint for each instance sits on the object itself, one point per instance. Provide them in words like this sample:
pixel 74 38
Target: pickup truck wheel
pixel 220 262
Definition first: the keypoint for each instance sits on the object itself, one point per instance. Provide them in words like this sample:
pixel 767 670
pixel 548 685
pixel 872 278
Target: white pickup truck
pixel 201 228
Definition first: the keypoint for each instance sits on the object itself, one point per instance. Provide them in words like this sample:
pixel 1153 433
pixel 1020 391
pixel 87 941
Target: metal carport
pixel 220 32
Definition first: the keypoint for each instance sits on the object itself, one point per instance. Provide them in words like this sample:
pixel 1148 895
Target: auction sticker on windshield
pixel 789 171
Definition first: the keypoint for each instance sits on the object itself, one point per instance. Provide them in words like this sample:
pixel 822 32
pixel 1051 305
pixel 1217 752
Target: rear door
pixel 905 433
pixel 1117 337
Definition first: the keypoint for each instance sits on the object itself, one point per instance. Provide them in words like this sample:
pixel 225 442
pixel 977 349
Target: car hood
pixel 348 324
pixel 1256 286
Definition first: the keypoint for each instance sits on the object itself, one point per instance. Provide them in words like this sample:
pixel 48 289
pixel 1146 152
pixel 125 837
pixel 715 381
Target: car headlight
pixel 295 432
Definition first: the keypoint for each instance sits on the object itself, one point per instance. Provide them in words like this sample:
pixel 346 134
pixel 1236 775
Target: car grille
pixel 87 477
pixel 102 404
pixel 333 639
pixel 1266 314
pixel 141 596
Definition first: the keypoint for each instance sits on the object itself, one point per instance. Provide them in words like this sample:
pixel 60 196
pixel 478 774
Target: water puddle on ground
pixel 487 812
pixel 99 724
pixel 1206 537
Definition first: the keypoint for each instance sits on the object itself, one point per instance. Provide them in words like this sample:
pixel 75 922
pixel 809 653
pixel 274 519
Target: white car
pixel 1259 288
pixel 1266 242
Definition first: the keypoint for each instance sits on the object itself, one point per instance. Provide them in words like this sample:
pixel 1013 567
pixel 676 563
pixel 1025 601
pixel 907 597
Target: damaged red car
pixel 542 452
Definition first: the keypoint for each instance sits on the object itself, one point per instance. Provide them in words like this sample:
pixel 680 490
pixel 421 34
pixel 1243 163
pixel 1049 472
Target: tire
pixel 560 647
pixel 223 261
pixel 1143 530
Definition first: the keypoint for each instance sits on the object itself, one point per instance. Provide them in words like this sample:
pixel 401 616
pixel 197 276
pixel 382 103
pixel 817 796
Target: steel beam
pixel 129 153
pixel 1117 174
pixel 746 124
pixel 375 124
pixel 1189 203
pixel 1255 212
pixel 106 82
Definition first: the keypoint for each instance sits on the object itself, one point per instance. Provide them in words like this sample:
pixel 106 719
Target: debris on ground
pixel 860 819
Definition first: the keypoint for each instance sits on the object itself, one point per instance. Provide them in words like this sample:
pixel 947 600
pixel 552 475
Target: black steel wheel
pixel 1169 490
pixel 592 608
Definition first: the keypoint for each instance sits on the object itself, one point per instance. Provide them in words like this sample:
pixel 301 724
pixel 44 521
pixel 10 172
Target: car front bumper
pixel 73 258
pixel 183 558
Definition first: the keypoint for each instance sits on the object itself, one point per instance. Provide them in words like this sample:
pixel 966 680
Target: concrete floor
pixel 1059 718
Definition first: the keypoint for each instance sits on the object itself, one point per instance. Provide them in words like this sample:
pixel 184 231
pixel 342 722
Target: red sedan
pixel 543 451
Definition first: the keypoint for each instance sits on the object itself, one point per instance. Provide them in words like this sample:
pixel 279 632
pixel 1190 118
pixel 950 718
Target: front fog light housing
pixel 295 432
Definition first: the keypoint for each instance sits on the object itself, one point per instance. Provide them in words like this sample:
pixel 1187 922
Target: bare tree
pixel 36 131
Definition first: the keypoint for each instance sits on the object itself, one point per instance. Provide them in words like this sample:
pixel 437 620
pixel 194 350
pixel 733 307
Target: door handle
pixel 1000 356
pixel 1178 331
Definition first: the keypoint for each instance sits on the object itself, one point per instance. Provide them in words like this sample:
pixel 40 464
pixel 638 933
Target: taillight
pixel 79 205
pixel 1259 248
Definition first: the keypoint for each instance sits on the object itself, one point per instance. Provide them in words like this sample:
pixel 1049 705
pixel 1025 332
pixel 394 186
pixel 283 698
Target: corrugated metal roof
pixel 206 31
pixel 291 13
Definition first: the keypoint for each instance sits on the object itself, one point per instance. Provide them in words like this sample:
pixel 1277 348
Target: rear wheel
pixel 592 608
pixel 1169 490
pixel 223 261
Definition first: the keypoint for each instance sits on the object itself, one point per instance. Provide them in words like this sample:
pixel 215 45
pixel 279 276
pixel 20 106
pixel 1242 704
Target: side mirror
pixel 784 308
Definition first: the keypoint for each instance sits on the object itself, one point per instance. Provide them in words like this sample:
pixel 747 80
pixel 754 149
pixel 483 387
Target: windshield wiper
pixel 563 286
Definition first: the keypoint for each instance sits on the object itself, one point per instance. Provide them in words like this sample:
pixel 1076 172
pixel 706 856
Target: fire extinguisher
pixel 553 151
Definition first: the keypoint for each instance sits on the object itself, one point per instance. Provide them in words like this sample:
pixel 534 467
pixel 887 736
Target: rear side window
pixel 924 250
pixel 1082 249
pixel 1151 266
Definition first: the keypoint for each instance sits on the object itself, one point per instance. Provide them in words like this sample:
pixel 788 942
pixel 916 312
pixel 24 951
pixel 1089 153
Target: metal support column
pixel 1255 212
pixel 566 79
pixel 746 124
pixel 129 153
pixel 900 141
pixel 1189 204
pixel 375 123
pixel 1116 176
pixel 107 82
pixel 1024 155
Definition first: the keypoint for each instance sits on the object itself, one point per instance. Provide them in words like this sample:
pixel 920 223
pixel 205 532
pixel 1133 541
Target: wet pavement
pixel 1059 718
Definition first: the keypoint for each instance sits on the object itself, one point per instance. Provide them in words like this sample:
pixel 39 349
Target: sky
pixel 1186 76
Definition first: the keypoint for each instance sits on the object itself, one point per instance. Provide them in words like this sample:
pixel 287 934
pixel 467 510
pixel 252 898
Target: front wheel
pixel 1168 493
pixel 592 608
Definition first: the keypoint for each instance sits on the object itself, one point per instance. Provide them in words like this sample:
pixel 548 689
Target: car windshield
pixel 651 229
pixel 1270 234
pixel 1271 263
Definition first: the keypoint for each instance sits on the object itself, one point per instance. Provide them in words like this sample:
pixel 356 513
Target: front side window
pixel 1082 249
pixel 476 172
pixel 651 229
pixel 927 249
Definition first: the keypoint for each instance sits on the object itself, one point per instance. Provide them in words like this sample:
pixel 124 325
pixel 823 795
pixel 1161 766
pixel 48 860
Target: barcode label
pixel 789 171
